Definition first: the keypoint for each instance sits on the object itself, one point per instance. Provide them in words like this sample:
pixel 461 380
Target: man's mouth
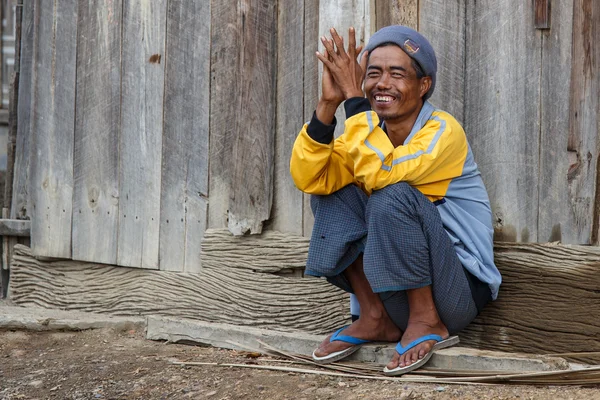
pixel 384 98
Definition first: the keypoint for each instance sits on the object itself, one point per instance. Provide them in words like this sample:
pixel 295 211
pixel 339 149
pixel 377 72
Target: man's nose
pixel 384 82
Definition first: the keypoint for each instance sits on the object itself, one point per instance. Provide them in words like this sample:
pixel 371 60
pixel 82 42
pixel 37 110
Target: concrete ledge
pixel 455 358
pixel 41 319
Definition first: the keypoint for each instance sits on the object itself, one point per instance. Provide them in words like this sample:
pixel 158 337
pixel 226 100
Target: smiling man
pixel 402 218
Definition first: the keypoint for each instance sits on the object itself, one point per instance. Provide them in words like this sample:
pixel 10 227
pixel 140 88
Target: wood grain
pixel 20 197
pixel 311 87
pixel 251 194
pixel 184 182
pixel 548 301
pixel 53 122
pixel 557 217
pixel 231 295
pixel 96 156
pixel 398 12
pixel 502 111
pixel 286 215
pixel 583 138
pixel 225 97
pixel 142 91
pixel 443 24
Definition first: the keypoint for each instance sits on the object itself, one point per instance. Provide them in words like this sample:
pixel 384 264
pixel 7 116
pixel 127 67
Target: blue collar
pixel 424 116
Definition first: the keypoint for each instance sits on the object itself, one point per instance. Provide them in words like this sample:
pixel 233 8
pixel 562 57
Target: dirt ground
pixel 106 364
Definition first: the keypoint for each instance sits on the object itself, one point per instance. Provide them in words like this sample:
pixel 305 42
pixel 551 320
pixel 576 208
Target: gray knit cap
pixel 413 43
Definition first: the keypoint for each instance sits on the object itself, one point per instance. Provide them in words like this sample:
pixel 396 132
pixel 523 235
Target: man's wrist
pixel 326 111
pixel 354 93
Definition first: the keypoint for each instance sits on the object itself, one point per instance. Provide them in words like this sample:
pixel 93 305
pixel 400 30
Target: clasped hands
pixel 342 74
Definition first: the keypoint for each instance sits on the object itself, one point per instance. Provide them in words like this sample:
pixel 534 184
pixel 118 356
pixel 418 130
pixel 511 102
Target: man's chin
pixel 386 116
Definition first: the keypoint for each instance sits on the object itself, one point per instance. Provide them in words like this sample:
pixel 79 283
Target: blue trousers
pixel 404 245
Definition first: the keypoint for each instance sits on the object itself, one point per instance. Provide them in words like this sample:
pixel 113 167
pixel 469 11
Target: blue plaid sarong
pixel 404 245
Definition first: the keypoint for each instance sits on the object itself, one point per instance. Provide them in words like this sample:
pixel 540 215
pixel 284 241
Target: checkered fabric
pixel 404 246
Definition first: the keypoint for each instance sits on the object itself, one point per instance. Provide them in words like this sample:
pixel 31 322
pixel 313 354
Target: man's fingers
pixel 339 43
pixel 324 59
pixel 351 43
pixel 363 61
pixel 328 44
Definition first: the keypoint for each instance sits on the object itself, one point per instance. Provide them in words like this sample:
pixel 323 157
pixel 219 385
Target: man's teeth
pixel 384 98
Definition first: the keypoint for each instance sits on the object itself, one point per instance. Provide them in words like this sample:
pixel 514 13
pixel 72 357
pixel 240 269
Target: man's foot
pixel 414 331
pixel 380 330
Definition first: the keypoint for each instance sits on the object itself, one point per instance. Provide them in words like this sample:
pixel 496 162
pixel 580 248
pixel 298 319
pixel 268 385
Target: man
pixel 402 218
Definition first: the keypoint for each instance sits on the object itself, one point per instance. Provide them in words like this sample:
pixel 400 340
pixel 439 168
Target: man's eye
pixel 397 75
pixel 372 74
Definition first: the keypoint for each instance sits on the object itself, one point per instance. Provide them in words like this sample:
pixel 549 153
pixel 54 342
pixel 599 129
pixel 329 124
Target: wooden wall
pixel 146 122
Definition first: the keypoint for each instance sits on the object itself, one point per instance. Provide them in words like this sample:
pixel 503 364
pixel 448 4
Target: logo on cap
pixel 410 46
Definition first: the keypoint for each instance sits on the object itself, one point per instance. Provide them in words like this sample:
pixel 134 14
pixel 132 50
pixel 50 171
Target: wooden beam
pixel 228 295
pixel 548 301
pixel 15 227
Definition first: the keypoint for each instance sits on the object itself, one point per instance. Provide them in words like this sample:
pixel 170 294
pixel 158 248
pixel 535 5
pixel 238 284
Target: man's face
pixel 391 83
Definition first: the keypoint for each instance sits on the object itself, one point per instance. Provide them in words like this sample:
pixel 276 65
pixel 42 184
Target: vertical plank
pixel 397 12
pixel 96 158
pixel 243 93
pixel 287 199
pixel 583 141
pixel 502 116
pixel 341 15
pixel 443 24
pixel 557 221
pixel 19 203
pixel 53 121
pixel 143 75
pixel 225 92
pixel 184 183
pixel 311 86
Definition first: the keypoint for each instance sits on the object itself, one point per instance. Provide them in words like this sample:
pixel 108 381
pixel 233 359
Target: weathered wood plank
pixel 230 295
pixel 557 220
pixel 13 98
pixel 251 193
pixel 142 86
pixel 225 94
pixel 502 117
pixel 185 139
pixel 311 86
pixel 544 286
pixel 242 130
pixel 20 183
pixel 443 24
pixel 341 15
pixel 287 210
pixel 53 122
pixel 96 160
pixel 15 227
pixel 270 252
pixel 584 125
pixel 397 12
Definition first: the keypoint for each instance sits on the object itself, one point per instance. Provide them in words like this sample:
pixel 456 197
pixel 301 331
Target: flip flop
pixel 338 355
pixel 441 344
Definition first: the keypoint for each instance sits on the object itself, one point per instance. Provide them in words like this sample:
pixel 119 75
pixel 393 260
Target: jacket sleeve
pixel 319 168
pixel 436 153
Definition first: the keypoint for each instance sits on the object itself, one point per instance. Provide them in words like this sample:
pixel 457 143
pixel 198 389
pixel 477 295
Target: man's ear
pixel 425 85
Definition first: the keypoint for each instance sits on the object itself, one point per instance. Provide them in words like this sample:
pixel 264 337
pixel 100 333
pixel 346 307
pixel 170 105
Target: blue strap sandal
pixel 441 344
pixel 338 355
